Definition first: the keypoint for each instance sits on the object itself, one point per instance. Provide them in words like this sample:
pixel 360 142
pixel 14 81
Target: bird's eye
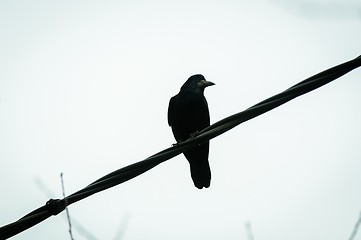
pixel 201 83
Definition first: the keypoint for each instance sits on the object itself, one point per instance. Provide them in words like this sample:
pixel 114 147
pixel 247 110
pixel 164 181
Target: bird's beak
pixel 205 83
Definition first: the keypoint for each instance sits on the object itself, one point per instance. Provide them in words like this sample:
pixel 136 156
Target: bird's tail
pixel 199 166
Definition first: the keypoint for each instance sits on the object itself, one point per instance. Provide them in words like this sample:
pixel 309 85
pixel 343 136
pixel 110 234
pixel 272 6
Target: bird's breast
pixel 191 115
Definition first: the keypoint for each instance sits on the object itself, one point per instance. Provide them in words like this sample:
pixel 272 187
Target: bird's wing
pixel 171 112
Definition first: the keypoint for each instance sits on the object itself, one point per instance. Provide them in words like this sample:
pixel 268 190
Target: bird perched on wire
pixel 187 114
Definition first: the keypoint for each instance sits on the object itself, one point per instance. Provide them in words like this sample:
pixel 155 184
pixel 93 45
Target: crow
pixel 187 114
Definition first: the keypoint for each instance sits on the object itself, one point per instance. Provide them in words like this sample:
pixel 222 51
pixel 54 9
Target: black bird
pixel 187 114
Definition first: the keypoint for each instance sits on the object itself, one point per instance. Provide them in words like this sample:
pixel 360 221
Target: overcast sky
pixel 84 90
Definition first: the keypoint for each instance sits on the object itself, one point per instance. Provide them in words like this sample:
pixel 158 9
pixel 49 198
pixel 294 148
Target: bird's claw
pixel 193 135
pixel 176 144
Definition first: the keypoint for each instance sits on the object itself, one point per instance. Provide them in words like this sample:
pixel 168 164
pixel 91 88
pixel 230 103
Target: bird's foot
pixel 176 144
pixel 193 135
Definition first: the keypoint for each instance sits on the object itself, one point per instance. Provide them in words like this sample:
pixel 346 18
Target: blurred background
pixel 84 90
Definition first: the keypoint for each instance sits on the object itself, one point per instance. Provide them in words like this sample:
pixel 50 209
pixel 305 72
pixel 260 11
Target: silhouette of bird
pixel 187 114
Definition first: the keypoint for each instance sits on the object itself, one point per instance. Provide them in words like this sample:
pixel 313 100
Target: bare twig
pixel 74 223
pixel 249 232
pixel 119 235
pixel 66 208
pixel 355 228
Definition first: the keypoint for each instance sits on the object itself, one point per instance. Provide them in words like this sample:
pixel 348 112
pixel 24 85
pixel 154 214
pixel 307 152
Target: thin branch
pixel 74 223
pixel 249 232
pixel 66 208
pixel 355 228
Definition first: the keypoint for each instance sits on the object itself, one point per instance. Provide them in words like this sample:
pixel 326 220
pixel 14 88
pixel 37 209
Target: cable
pixel 55 206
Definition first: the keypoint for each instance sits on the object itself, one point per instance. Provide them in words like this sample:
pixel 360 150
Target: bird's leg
pixel 176 144
pixel 193 135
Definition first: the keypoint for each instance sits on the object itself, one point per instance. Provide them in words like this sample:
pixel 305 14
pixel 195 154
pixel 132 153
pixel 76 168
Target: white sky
pixel 84 90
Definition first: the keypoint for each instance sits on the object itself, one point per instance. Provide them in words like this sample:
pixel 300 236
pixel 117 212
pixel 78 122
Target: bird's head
pixel 196 83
